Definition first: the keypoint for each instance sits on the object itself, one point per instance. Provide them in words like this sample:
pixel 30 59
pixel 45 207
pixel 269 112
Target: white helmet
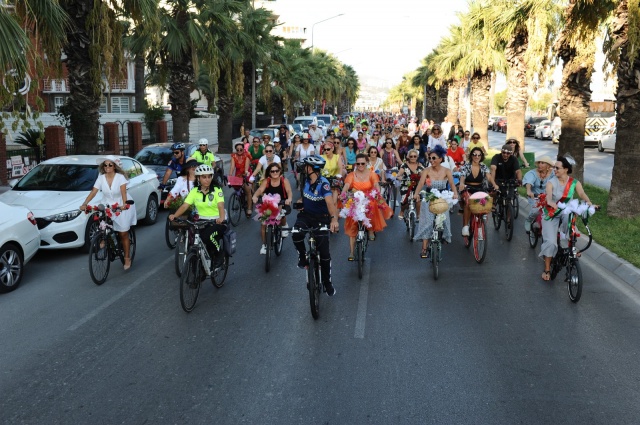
pixel 204 169
pixel 203 141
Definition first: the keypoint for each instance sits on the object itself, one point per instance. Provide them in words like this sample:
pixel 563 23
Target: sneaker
pixel 285 233
pixel 465 231
pixel 263 250
pixel 328 287
pixel 302 262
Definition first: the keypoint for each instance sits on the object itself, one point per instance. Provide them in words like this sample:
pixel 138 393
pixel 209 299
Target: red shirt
pixel 457 156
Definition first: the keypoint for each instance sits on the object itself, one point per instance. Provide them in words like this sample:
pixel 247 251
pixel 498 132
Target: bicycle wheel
pixel 533 238
pixel 574 280
pixel 278 241
pixel 99 262
pixel 180 253
pixel 515 203
pixel 235 209
pixel 412 225
pixel 190 280
pixel 479 240
pixel 313 285
pixel 132 244
pixel 556 264
pixel 219 274
pixel 497 216
pixel 170 236
pixel 508 221
pixel 435 258
pixel 360 251
pixel 269 242
pixel 392 198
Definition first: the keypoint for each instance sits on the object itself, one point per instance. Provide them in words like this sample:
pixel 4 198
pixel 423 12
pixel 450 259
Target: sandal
pixel 248 213
pixel 127 263
pixel 424 253
pixel 351 258
pixel 400 217
pixel 372 237
pixel 546 275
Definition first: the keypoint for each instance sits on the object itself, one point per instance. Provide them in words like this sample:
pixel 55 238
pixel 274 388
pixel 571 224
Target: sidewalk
pixel 620 267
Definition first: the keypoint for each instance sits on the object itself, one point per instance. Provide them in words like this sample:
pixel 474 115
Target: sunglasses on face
pixel 274 172
pixel 476 154
pixel 239 149
pixel 268 151
pixel 256 141
pixel 506 152
pixel 475 138
pixel 433 158
pixel 558 168
pixel 109 165
pixel 361 163
pixel 177 152
pixel 412 157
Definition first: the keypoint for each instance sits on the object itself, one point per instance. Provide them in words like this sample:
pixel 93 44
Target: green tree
pixel 500 101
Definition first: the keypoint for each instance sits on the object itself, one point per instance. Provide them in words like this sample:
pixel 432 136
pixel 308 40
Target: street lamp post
pixel 315 23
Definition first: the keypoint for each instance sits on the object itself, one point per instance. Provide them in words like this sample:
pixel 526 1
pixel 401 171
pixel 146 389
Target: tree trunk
pixel 225 111
pixel 84 99
pixel 623 197
pixel 481 88
pixel 181 84
pixel 141 103
pixel 575 95
pixel 247 70
pixel 517 85
pixel 453 102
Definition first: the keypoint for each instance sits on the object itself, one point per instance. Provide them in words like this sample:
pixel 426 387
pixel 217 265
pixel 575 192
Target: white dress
pixel 112 195
pixel 182 187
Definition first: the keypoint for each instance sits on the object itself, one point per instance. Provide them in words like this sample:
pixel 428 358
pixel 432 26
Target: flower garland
pixel 447 195
pixel 176 203
pixel 109 210
pixel 360 204
pixel 269 213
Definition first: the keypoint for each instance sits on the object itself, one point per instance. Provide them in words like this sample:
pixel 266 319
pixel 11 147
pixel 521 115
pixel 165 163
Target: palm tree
pixel 528 28
pixel 576 46
pixel 94 48
pixel 625 33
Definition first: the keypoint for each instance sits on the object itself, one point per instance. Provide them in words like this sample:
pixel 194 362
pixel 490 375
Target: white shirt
pixel 182 187
pixel 439 141
pixel 264 162
pixel 305 152
pixel 446 127
pixel 316 135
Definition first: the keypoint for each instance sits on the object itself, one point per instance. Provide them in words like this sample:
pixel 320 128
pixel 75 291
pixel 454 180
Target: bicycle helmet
pixel 203 141
pixel 204 169
pixel 178 146
pixel 315 161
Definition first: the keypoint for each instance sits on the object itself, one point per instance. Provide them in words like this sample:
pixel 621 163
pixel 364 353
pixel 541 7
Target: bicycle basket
pixel 230 241
pixel 234 181
pixel 480 203
pixel 438 206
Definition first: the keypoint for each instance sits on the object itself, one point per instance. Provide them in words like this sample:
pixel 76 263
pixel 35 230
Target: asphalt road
pixel 597 165
pixel 484 344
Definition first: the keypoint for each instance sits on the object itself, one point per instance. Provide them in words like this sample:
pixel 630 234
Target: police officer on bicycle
pixel 175 164
pixel 316 209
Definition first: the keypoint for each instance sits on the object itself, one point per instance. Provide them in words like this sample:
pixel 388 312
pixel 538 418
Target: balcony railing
pixel 52 85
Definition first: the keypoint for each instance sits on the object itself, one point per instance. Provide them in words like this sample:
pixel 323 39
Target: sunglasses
pixel 109 165
pixel 558 168
pixel 475 138
pixel 239 149
pixel 361 163
pixel 268 151
pixel 412 156
pixel 511 143
pixel 476 154
pixel 177 152
pixel 507 152
pixel 256 141
pixel 433 158
pixel 328 149
pixel 274 172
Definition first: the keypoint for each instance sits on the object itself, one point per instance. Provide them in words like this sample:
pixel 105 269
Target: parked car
pixel 608 140
pixel 327 118
pixel 298 128
pixel 55 189
pixel 19 242
pixel 498 123
pixel 305 121
pixel 502 126
pixel 259 132
pixel 543 130
pixel 530 125
pixel 156 157
pixel 492 120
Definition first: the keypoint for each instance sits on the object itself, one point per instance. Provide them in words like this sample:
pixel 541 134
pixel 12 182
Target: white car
pixel 55 189
pixel 607 140
pixel 543 130
pixel 19 242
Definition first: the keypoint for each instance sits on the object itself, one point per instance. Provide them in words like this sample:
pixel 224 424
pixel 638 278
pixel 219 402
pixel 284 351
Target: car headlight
pixel 62 217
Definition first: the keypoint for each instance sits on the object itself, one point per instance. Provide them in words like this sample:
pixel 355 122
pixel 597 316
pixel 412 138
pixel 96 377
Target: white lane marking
pixel 361 316
pixel 119 295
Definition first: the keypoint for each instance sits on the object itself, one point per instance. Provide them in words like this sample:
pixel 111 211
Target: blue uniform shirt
pixel 313 201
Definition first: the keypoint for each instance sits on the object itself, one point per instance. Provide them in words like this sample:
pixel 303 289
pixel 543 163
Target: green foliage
pixel 499 100
pixel 540 104
pixel 32 138
pixel 151 115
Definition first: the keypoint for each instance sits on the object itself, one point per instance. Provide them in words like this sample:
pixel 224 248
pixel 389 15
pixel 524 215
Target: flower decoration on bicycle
pixel 434 195
pixel 360 204
pixel 268 211
pixel 108 210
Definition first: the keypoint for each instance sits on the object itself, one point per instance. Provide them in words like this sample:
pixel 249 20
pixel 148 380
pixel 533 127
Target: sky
pixel 383 39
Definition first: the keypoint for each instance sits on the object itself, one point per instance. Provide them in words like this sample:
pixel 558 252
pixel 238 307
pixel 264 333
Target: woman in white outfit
pixel 113 185
pixel 184 183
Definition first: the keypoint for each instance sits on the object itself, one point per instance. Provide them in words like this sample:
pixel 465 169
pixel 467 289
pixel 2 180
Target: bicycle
pixel 504 207
pixel 184 240
pixel 198 265
pixel 391 188
pixel 411 216
pixel 477 228
pixel 568 257
pixel 106 245
pixel 435 244
pixel 314 283
pixel 535 232
pixel 274 239
pixel 362 243
pixel 237 203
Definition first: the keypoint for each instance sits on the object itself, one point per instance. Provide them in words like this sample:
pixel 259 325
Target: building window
pixel 103 106
pixel 58 101
pixel 119 105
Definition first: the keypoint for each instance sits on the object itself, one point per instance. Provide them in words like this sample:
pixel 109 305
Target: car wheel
pixel 11 267
pixel 152 210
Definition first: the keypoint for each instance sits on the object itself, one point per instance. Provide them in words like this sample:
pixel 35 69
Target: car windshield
pixel 304 123
pixel 321 123
pixel 154 155
pixel 260 132
pixel 59 177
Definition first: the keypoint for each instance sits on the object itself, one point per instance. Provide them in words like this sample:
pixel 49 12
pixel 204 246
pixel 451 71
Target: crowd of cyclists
pixel 369 155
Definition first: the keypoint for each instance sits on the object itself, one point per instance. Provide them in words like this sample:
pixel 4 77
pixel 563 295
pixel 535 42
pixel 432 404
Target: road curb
pixel 597 253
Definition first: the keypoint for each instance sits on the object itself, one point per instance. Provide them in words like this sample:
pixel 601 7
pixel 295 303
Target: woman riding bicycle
pixel 559 188
pixel 438 176
pixel 113 185
pixel 273 184
pixel 333 169
pixel 375 163
pixel 209 201
pixel 184 183
pixel 535 181
pixel 365 180
pixel 240 167
pixel 409 176
pixel 349 154
pixel 474 177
